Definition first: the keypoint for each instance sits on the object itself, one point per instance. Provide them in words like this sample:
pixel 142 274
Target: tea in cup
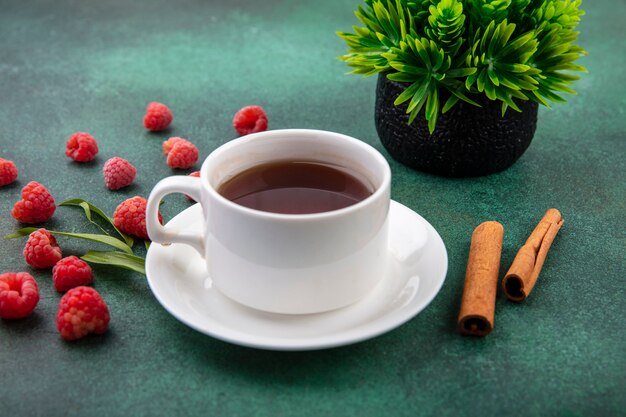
pixel 295 221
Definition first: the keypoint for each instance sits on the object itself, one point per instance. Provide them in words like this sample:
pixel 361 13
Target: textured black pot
pixel 468 140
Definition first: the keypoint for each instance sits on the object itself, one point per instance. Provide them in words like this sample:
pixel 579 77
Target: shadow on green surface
pixel 321 367
pixel 90 344
pixel 23 327
pixel 94 163
pixel 161 134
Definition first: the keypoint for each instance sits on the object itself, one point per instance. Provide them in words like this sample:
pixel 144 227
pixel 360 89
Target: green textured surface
pixel 67 66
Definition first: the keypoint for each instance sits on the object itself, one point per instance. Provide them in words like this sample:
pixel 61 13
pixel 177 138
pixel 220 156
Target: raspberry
pixel 250 119
pixel 71 272
pixel 193 174
pixel 118 173
pixel 8 172
pixel 81 147
pixel 180 153
pixel 19 295
pixel 82 311
pixel 158 117
pixel 130 217
pixel 169 144
pixel 41 250
pixel 36 205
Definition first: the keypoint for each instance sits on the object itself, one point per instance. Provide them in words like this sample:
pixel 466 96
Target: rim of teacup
pixel 379 192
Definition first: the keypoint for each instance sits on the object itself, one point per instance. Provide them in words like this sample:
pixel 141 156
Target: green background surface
pixel 69 66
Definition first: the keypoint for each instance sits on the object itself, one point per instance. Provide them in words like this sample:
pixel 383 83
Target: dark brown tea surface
pixel 296 187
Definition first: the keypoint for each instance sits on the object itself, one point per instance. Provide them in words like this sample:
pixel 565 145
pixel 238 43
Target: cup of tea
pixel 295 221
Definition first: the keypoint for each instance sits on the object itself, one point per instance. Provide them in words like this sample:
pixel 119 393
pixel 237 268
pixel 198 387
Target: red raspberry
pixel 193 174
pixel 118 173
pixel 158 117
pixel 130 217
pixel 250 119
pixel 71 272
pixel 180 153
pixel 169 144
pixel 36 205
pixel 19 295
pixel 41 250
pixel 82 311
pixel 81 147
pixel 8 172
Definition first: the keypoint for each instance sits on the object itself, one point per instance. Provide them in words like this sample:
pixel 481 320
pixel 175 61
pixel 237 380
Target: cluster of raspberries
pixel 118 172
pixel 82 310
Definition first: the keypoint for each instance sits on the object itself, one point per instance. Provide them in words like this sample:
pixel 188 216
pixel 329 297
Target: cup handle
pixel 168 234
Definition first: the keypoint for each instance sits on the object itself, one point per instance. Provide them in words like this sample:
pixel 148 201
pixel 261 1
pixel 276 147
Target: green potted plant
pixel 460 80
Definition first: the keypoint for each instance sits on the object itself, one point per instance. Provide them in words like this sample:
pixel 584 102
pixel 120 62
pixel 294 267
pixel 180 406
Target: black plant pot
pixel 468 140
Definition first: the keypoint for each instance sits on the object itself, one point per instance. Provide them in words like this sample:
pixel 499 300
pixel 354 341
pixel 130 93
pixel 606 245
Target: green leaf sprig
pixel 506 50
pixel 122 257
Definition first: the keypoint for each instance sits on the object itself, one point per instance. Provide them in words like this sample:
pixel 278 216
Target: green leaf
pixel 432 108
pixel 367 19
pixel 114 258
pixel 457 92
pixel 416 111
pixel 490 90
pixel 407 94
pixel 450 103
pixel 517 82
pixel 106 239
pixel 480 82
pixel 460 72
pixel 402 77
pixel 536 97
pixel 544 92
pixel 487 35
pixel 493 76
pixel 419 96
pixel 385 21
pixel 88 208
pixel 471 79
pixel 423 52
pixel 512 67
pixel 495 39
pixel 410 69
pixel 524 42
pixel 517 94
pixel 507 31
pixel 502 49
pixel 438 55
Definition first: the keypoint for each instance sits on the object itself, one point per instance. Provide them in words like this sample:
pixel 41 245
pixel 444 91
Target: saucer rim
pixel 362 332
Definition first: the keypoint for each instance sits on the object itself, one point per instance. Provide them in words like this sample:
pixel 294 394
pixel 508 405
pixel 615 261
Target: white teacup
pixel 285 263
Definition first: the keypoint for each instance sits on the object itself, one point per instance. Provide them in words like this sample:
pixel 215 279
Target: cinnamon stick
pixel 524 271
pixel 478 303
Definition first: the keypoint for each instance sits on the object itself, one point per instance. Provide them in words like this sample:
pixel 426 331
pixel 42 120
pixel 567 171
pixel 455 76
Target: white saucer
pixel 178 278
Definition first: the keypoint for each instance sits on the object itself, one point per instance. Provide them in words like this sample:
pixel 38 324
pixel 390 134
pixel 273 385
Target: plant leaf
pixel 410 69
pixel 88 208
pixel 432 108
pixel 419 96
pixel 450 103
pixel 460 72
pixel 106 239
pixel 499 49
pixel 407 93
pixel 402 77
pixel 114 258
pixel 416 111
